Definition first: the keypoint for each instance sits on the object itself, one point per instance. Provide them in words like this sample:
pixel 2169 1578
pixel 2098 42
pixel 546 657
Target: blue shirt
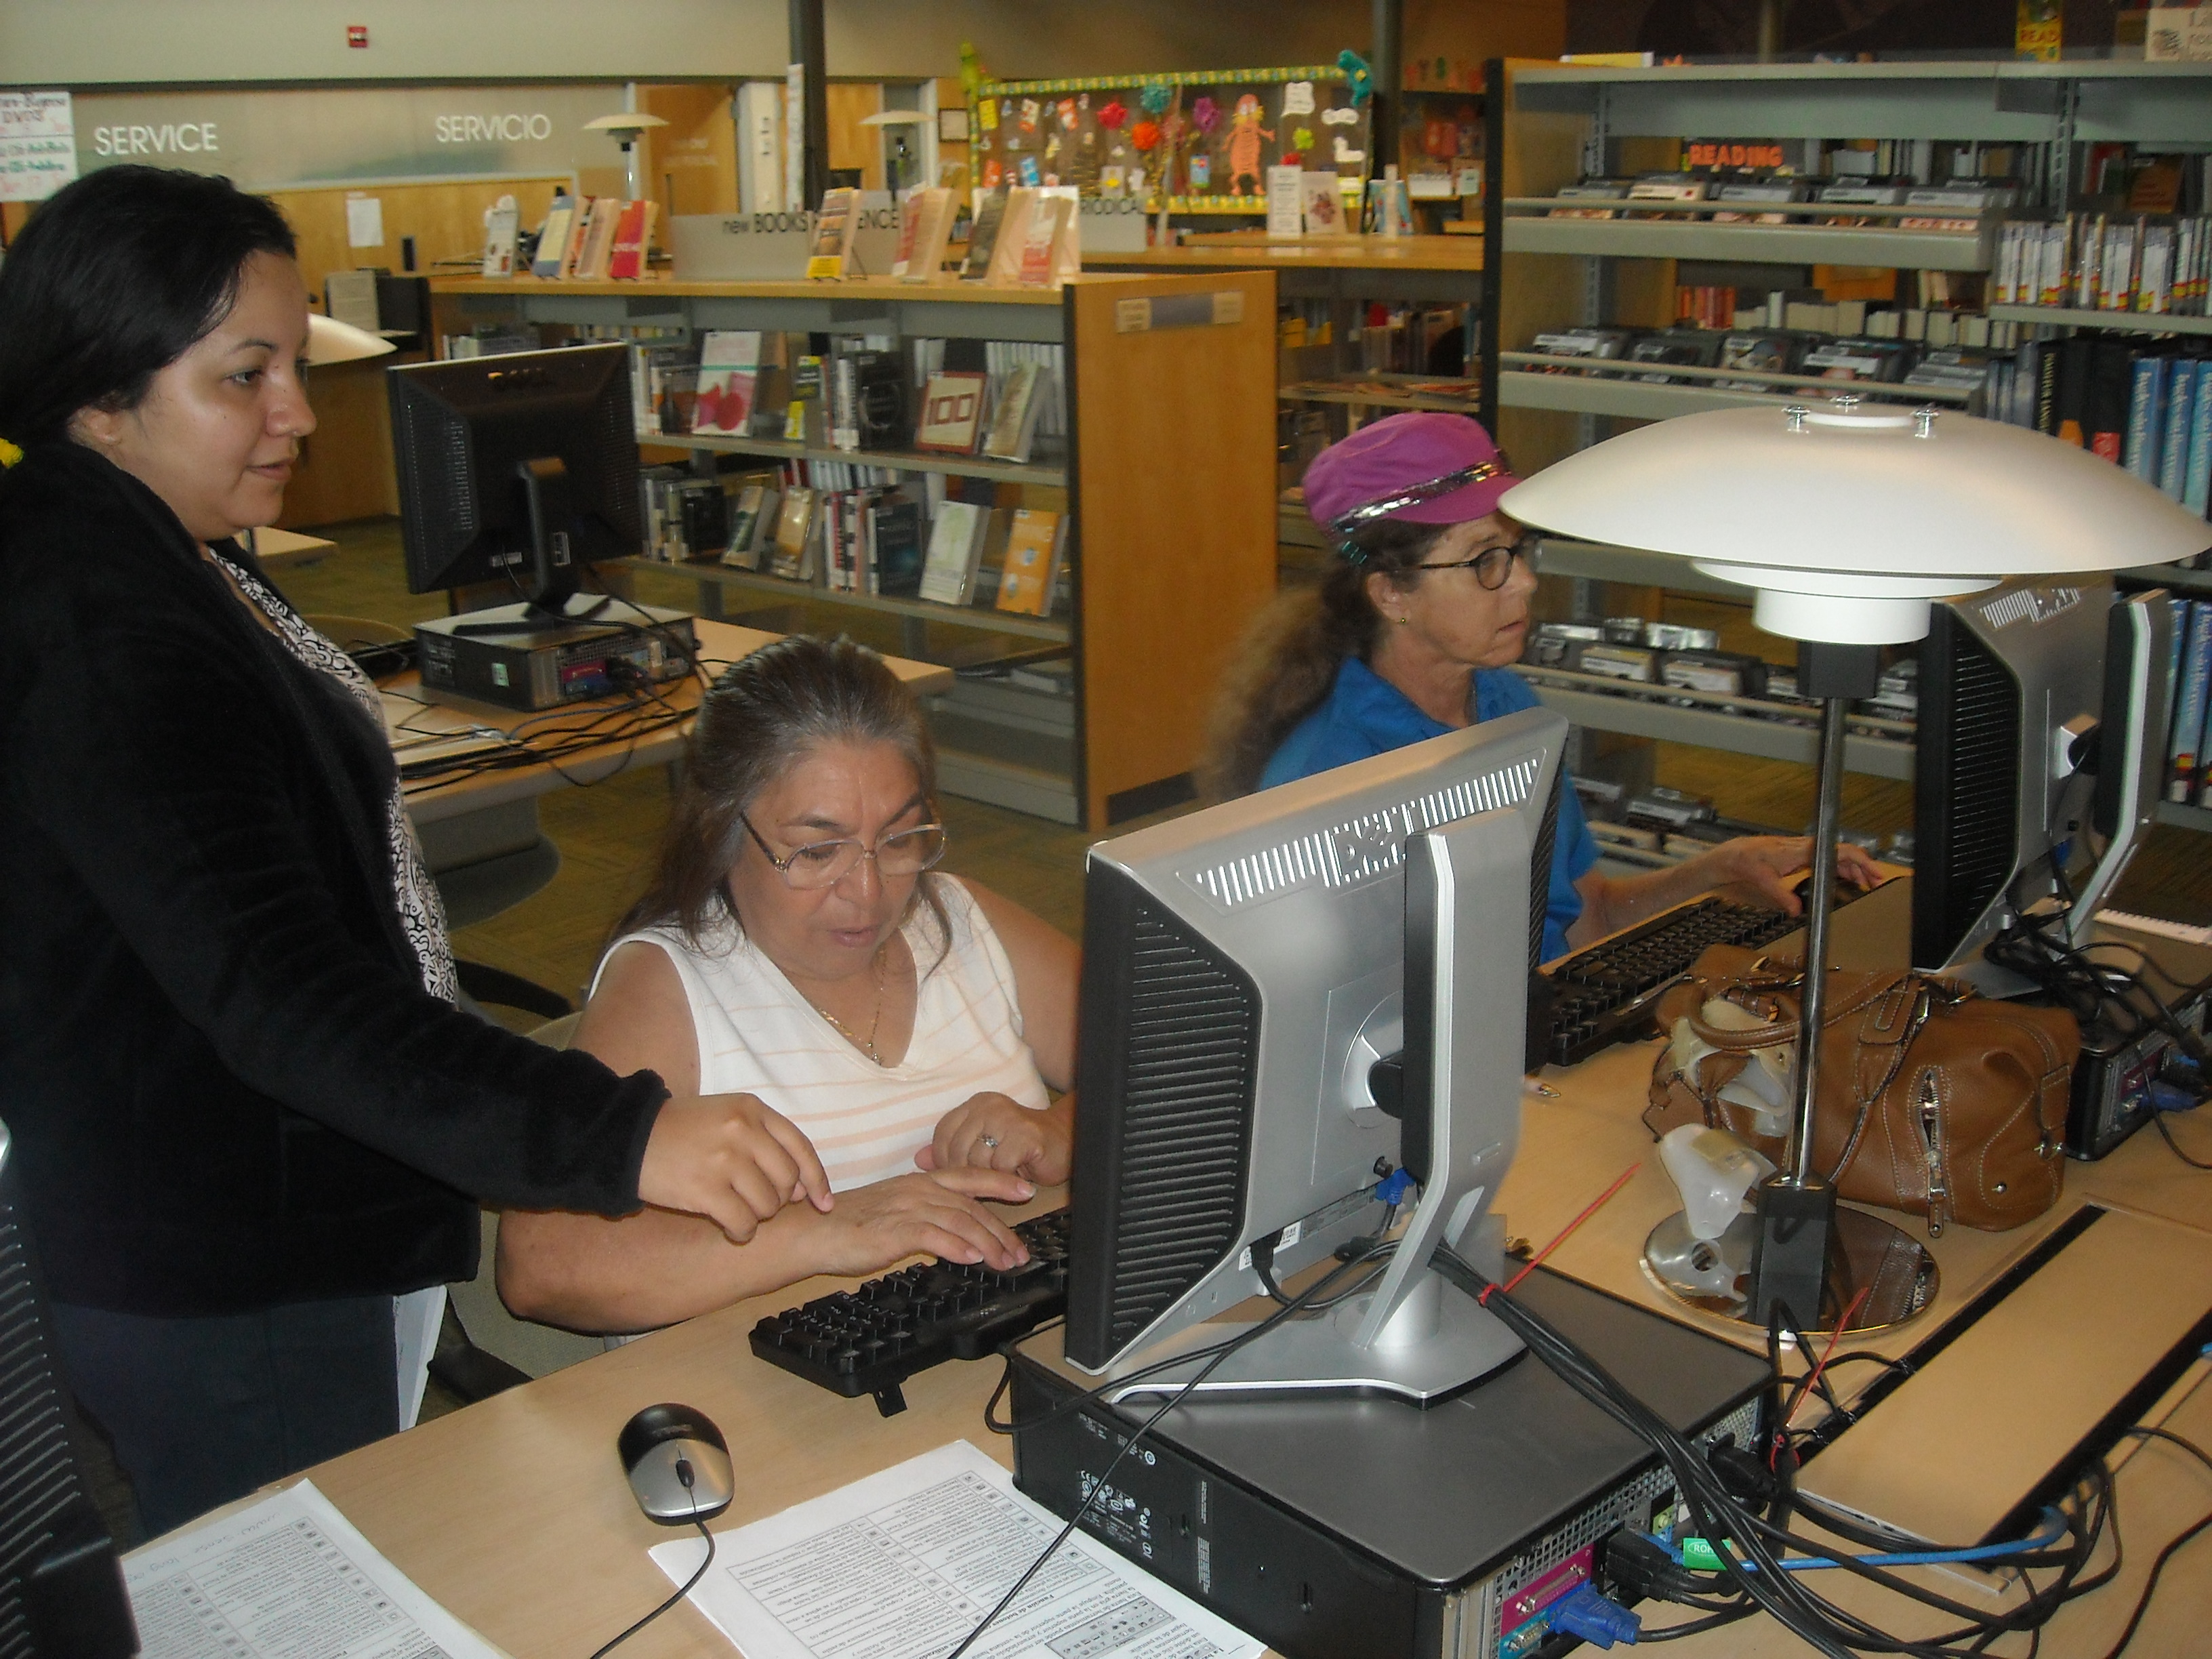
pixel 1364 715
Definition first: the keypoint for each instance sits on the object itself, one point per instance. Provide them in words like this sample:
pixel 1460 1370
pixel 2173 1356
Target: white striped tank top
pixel 758 1036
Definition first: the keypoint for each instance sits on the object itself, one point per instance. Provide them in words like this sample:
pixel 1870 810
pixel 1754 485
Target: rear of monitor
pixel 2011 686
pixel 2040 748
pixel 519 468
pixel 61 1586
pixel 1248 972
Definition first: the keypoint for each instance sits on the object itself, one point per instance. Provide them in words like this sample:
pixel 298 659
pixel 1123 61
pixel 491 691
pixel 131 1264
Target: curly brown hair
pixel 1288 660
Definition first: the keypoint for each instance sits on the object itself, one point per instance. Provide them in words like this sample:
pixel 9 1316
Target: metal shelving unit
pixel 906 460
pixel 923 610
pixel 1681 238
pixel 2129 322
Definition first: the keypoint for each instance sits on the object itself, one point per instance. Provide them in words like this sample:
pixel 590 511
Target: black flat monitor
pixel 1285 997
pixel 61 1585
pixel 520 468
pixel 2041 736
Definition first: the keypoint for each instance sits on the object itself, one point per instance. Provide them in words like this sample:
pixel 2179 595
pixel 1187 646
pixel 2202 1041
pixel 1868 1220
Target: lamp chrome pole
pixel 1827 823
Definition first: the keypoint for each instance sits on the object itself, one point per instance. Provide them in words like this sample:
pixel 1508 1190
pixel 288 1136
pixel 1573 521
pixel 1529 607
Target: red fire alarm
pixel 356 35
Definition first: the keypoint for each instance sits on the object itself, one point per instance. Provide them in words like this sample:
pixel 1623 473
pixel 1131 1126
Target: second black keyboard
pixel 1603 995
pixel 871 1339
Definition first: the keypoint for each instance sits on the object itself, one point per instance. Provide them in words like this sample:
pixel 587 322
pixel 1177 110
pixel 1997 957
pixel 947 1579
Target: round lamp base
pixel 1895 1269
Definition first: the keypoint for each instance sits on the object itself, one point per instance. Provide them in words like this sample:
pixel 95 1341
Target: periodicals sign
pixel 38 145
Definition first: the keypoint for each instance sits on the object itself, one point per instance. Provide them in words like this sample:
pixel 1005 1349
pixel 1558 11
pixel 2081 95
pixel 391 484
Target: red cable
pixel 1560 1237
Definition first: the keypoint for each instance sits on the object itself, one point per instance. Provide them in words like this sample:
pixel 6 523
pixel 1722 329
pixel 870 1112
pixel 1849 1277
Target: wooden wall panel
pixel 1177 504
pixel 691 164
pixel 851 144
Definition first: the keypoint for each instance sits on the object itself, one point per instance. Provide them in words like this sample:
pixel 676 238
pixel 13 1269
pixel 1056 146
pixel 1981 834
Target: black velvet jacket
pixel 228 1089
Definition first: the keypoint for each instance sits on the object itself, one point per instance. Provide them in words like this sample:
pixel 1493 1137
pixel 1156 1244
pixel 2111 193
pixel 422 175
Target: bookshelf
pixel 1169 477
pixel 1552 124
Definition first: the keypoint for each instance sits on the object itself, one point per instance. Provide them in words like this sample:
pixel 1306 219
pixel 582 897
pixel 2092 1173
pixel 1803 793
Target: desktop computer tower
pixel 1336 1528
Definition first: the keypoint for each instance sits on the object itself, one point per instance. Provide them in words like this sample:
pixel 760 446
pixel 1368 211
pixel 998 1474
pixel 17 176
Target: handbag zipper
pixel 1931 1139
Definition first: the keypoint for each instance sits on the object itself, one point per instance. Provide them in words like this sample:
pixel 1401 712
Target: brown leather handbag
pixel 1932 1099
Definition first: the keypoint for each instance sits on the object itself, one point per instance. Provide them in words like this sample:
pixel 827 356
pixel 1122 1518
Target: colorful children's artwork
pixel 1245 133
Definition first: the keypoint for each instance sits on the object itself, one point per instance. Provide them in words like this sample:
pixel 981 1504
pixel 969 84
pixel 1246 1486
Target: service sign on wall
pixel 38 150
pixel 275 139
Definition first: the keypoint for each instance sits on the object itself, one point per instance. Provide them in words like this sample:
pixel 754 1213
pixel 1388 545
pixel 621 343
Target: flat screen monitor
pixel 520 468
pixel 61 1586
pixel 1284 998
pixel 2023 732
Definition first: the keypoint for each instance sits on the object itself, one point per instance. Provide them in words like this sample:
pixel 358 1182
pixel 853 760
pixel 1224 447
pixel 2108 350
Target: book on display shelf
pixel 833 234
pixel 1004 270
pixel 502 223
pixel 729 366
pixel 793 555
pixel 752 519
pixel 579 225
pixel 991 558
pixel 984 233
pixel 1031 566
pixel 1014 413
pixel 956 551
pixel 553 237
pixel 627 253
pixel 599 241
pixel 895 534
pixel 952 412
pixel 2185 745
pixel 931 211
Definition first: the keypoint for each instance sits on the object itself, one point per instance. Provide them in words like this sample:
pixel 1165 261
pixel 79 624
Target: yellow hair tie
pixel 9 455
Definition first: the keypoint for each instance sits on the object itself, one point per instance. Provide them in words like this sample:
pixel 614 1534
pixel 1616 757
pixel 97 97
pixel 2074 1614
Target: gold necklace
pixel 867 1044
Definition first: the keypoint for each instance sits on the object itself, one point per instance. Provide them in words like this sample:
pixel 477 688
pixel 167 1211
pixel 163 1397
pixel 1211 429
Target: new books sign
pixel 38 145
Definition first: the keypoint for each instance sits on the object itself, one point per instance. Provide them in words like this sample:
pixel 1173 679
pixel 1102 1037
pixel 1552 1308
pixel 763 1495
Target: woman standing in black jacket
pixel 248 1110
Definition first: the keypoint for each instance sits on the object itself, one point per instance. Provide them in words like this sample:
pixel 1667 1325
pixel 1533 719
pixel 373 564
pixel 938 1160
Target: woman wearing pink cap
pixel 1408 636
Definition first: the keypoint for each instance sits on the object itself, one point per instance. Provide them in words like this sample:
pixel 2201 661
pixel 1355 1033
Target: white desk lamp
pixel 626 130
pixel 1847 522
pixel 330 341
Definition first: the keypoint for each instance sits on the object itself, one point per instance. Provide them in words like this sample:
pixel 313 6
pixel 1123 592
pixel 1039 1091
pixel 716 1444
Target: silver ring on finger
pixel 991 1141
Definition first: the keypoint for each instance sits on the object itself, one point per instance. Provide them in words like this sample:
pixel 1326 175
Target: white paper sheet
pixel 286 1578
pixel 364 221
pixel 902 1564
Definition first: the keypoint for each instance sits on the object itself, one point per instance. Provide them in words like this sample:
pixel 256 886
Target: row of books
pixel 854 528
pixel 584 239
pixel 1935 321
pixel 1755 353
pixel 2189 746
pixel 2145 408
pixel 1739 195
pixel 1023 236
pixel 1664 656
pixel 2107 262
pixel 1002 399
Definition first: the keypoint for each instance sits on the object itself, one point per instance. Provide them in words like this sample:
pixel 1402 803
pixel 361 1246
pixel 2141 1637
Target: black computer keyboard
pixel 871 1339
pixel 1605 994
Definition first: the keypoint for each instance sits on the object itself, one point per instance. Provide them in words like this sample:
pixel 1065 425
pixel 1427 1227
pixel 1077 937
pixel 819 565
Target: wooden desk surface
pixel 719 644
pixel 280 550
pixel 515 1515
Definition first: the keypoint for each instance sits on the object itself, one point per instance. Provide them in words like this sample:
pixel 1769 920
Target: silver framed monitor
pixel 1285 997
pixel 2039 701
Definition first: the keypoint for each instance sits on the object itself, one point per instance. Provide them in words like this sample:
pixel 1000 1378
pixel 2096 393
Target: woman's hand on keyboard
pixel 991 1131
pixel 731 1158
pixel 937 1214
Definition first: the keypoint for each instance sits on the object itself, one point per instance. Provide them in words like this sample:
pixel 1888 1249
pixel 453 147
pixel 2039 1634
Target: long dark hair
pixel 1289 658
pixel 114 279
pixel 764 715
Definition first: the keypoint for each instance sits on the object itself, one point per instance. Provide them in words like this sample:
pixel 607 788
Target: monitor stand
pixel 534 617
pixel 547 502
pixel 1467 886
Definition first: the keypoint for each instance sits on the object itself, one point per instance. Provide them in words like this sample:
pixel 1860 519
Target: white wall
pixel 91 43
pixel 86 43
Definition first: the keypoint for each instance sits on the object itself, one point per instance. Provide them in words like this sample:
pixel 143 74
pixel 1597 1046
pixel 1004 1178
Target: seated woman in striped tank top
pixel 795 945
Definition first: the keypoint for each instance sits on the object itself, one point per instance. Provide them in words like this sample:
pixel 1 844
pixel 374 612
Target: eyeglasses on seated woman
pixel 1411 634
pixel 795 945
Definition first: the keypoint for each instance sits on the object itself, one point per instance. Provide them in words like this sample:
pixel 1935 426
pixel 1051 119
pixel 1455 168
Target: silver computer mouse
pixel 678 1463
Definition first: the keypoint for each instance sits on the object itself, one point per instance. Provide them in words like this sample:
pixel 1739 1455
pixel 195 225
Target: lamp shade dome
pixel 330 341
pixel 1849 521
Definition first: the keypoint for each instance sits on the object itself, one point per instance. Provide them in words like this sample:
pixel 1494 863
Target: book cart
pixel 1170 486
pixel 1551 125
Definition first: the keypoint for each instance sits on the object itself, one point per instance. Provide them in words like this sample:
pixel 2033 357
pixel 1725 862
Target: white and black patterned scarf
pixel 422 912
